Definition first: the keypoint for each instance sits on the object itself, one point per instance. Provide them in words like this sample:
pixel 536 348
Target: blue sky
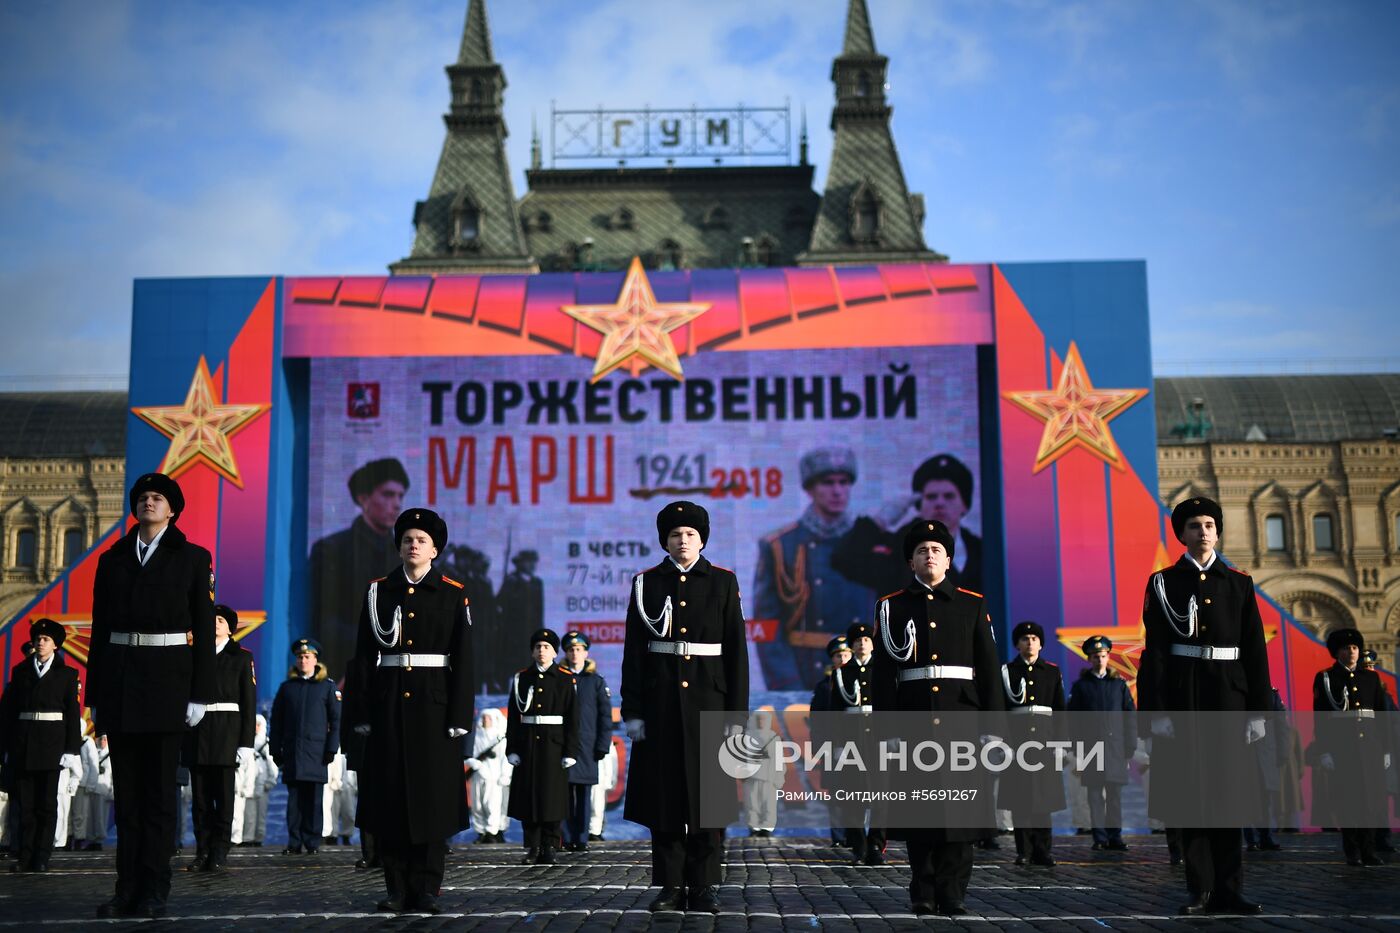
pixel 1239 147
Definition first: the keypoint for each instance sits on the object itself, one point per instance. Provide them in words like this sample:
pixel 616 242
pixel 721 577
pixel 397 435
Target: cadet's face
pixel 1348 655
pixel 1200 535
pixel 863 646
pixel 831 493
pixel 1099 660
pixel 306 662
pixel 416 549
pixel 153 509
pixel 44 647
pixel 543 653
pixel 941 501
pixel 576 655
pixel 683 544
pixel 220 628
pixel 930 562
pixel 842 657
pixel 1028 645
pixel 381 507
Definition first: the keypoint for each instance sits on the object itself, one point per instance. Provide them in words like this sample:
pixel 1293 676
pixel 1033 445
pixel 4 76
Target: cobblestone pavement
pixel 771 885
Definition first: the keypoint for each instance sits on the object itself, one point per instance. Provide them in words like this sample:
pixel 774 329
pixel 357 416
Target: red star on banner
pixel 1076 414
pixel 635 328
pixel 199 430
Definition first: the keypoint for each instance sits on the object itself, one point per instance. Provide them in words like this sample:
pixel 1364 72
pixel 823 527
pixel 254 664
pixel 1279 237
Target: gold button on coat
pixel 407 694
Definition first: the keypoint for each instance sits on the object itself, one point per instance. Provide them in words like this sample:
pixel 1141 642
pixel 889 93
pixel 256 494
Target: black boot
pixel 668 899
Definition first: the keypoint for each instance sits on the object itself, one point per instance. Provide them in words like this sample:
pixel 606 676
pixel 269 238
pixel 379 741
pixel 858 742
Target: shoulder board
pixel 891 595
pixel 718 567
pixel 451 582
pixel 970 592
pixel 379 579
pixel 1236 570
pixel 774 535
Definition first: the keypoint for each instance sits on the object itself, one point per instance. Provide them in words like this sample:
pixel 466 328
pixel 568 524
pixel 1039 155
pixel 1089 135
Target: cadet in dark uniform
pixel 1100 691
pixel 146 684
pixel 1353 737
pixel 222 740
pixel 595 730
pixel 686 652
pixel 304 735
pixel 344 562
pixel 411 689
pixel 943 659
pixel 542 745
pixel 852 691
pixel 840 653
pixel 1034 693
pixel 40 735
pixel 1205 651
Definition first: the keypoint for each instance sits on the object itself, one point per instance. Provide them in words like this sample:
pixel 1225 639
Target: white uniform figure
pixel 4 820
pixel 490 780
pixel 255 785
pixel 607 780
pixel 70 778
pixel 94 800
pixel 338 801
pixel 761 790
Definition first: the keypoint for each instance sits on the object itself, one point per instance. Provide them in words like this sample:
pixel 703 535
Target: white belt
pixel 42 717
pixel 149 640
pixel 1206 652
pixel 542 720
pixel 704 649
pixel 936 672
pixel 867 708
pixel 1348 714
pixel 222 708
pixel 1031 710
pixel 412 660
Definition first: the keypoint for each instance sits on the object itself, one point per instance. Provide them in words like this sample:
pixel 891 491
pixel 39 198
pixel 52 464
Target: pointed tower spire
pixel 535 162
pixel 867 213
pixel 802 139
pixel 470 220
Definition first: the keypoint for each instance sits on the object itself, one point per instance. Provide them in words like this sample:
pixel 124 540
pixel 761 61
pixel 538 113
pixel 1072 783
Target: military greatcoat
pixel 668 692
pixel 539 785
pixel 412 789
pixel 37 745
pixel 1352 725
pixel 220 734
pixel 1035 703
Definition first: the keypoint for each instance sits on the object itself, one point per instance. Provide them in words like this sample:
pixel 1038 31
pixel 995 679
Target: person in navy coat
pixel 304 737
pixel 1101 691
pixel 593 707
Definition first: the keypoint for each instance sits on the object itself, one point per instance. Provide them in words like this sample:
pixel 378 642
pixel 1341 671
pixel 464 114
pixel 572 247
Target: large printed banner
pixel 550 484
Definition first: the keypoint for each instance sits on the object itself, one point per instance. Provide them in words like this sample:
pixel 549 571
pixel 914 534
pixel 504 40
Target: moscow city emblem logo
pixel 362 400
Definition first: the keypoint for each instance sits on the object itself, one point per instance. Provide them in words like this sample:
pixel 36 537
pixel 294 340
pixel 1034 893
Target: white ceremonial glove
pixel 1162 726
pixel 455 733
pixel 513 759
pixel 69 762
pixel 194 712
pixel 569 763
pixel 474 763
pixel 889 513
pixel 245 755
pixel 733 729
pixel 988 739
pixel 636 729
pixel 361 729
pixel 1253 731
pixel 1385 762
pixel 1326 761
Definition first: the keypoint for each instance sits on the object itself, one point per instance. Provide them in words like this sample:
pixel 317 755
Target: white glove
pixel 1253 731
pixel 889 513
pixel 1162 726
pixel 504 780
pixel 733 729
pixel 474 763
pixel 361 729
pixel 513 759
pixel 69 762
pixel 988 739
pixel 245 756
pixel 1326 761
pixel 194 712
pixel 455 733
pixel 636 729
pixel 1385 762
pixel 569 763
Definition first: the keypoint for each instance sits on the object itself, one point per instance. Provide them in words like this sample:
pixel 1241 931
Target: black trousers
pixel 1033 834
pixel 1214 862
pixel 539 835
pixel 580 809
pixel 146 802
pixel 304 814
pixel 860 842
pixel 211 789
pixel 1359 843
pixel 412 870
pixel 38 815
pixel 686 860
pixel 939 869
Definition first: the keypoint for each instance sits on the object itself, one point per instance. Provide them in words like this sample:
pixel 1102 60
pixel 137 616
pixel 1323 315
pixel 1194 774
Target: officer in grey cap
pixel 795 584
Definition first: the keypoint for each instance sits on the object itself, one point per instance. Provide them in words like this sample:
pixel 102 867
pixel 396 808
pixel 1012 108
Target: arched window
pixel 669 255
pixel 765 251
pixel 478 91
pixel 1275 533
pixel 716 218
pixel 26 548
pixel 865 215
pixel 863 84
pixel 1322 533
pixel 543 222
pixel 72 545
pixel 622 219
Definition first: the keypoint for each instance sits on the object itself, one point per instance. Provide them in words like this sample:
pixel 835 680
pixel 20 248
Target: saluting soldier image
pixel 685 653
pixel 1034 693
pixel 936 652
pixel 853 691
pixel 220 743
pixel 147 683
pixel 410 690
pixel 1353 744
pixel 1204 650
pixel 40 736
pixel 541 745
